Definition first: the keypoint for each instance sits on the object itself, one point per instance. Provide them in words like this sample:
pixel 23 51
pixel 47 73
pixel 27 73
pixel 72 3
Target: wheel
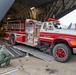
pixel 62 52
pixel 12 40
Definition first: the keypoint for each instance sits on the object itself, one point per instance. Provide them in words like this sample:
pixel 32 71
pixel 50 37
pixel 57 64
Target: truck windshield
pixel 59 25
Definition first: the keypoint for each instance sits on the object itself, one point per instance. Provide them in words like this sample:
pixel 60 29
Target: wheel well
pixel 12 35
pixel 60 41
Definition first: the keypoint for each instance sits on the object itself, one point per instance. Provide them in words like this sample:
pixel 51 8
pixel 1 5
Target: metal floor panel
pixel 35 52
pixel 15 53
pixel 10 50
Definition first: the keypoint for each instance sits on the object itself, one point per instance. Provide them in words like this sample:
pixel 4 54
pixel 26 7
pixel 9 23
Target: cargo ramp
pixel 22 50
pixel 15 53
pixel 34 52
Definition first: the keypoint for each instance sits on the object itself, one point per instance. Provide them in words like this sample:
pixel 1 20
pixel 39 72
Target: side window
pixel 50 27
pixel 45 26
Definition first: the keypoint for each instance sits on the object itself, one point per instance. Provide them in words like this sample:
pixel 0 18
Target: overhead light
pixel 32 8
pixel 8 18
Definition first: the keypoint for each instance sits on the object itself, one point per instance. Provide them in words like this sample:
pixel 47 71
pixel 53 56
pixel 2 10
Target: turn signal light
pixel 73 42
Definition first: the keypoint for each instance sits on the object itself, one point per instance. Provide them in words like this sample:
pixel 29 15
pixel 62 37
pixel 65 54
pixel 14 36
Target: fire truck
pixel 47 36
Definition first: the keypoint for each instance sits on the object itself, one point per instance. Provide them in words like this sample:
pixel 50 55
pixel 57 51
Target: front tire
pixel 62 52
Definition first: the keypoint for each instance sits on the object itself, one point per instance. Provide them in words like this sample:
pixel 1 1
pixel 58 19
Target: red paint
pixel 16 23
pixel 66 37
pixel 52 19
pixel 6 35
pixel 60 53
pixel 20 38
pixel 19 32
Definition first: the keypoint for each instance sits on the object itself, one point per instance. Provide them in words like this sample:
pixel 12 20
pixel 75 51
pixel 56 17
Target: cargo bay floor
pixel 34 66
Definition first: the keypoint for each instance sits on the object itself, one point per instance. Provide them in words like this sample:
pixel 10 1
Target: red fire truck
pixel 49 35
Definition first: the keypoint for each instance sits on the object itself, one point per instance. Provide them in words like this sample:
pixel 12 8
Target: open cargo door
pixel 4 7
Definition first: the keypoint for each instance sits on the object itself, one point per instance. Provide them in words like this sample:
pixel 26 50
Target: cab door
pixel 47 32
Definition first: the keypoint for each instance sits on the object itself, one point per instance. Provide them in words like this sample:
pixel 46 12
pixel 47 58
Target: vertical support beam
pixel 63 4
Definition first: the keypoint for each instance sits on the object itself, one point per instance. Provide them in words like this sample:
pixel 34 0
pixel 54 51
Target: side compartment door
pixel 30 32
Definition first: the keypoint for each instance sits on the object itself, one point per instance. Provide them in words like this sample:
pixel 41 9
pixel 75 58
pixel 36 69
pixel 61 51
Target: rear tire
pixel 12 40
pixel 62 52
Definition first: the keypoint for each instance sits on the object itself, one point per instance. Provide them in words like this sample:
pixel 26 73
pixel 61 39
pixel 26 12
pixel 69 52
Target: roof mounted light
pixel 8 18
pixel 32 8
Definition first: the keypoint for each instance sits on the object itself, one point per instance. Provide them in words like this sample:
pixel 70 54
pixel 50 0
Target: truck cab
pixel 49 30
pixel 51 26
pixel 57 39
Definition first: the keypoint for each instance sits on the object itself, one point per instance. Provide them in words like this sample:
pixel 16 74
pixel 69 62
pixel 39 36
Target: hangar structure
pixel 42 9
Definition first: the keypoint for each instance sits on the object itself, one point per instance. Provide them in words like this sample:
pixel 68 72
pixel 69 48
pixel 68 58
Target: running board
pixel 34 52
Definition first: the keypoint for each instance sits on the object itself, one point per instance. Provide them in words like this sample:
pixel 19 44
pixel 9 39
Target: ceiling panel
pixel 34 3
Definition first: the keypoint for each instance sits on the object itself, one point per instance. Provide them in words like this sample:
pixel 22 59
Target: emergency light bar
pixel 52 19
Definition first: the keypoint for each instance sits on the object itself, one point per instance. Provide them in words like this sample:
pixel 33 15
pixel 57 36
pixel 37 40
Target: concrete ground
pixel 34 66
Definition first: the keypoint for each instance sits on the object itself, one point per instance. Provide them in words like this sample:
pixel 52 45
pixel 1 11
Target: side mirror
pixel 46 29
